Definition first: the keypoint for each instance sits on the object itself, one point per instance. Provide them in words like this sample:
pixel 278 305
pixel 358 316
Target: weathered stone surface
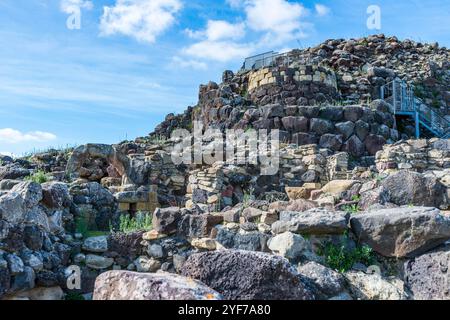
pixel 295 124
pixel 198 226
pixel 145 264
pixel 331 113
pixel 55 194
pixel 126 244
pixel 125 285
pixel 234 239
pixel 407 187
pixel 336 187
pixel 204 244
pixel 314 221
pixel 377 196
pixel 98 262
pixel 362 129
pixel 374 143
pixel 40 294
pixel 12 171
pixel 427 276
pixel 331 141
pixel 328 282
pixel 354 146
pixel 166 220
pixel 96 244
pixel 353 113
pixel 288 245
pixel 5 276
pixel 373 287
pixel 402 232
pixel 345 129
pixel 321 126
pixel 244 275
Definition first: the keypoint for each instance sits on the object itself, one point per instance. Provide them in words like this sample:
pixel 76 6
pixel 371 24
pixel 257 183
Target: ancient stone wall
pixel 416 155
pixel 302 85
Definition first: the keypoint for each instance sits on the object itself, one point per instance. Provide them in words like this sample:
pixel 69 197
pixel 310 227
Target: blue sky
pixel 134 61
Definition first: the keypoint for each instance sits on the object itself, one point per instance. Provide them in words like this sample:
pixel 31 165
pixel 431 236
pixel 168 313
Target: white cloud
pixel 69 6
pixel 9 135
pixel 217 42
pixel 322 10
pixel 219 30
pixel 275 23
pixel 222 51
pixel 178 62
pixel 143 20
pixel 275 16
pixel 235 3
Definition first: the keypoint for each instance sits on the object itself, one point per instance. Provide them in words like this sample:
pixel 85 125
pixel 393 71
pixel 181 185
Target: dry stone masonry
pixel 353 193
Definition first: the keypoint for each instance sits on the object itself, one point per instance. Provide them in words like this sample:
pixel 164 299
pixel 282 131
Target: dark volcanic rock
pixel 402 232
pixel 166 220
pixel 428 276
pixel 407 187
pixel 245 275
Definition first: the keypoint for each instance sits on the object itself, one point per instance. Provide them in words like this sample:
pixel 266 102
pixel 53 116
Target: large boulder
pixel 354 147
pixel 40 294
pixel 317 221
pixel 337 187
pixel 288 245
pixel 402 232
pixel 245 275
pixel 321 126
pixel 166 220
pixel 21 198
pixel 374 287
pixel 328 282
pixel 98 262
pixel 125 285
pixel 31 193
pixel 407 187
pixel 13 171
pixel 198 226
pixel 428 276
pixel 96 244
pixel 242 240
pixel 56 195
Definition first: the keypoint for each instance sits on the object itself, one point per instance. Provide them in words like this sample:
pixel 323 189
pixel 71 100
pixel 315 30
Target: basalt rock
pixel 245 275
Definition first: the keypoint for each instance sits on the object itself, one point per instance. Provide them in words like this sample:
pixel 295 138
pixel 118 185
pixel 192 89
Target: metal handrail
pixel 404 100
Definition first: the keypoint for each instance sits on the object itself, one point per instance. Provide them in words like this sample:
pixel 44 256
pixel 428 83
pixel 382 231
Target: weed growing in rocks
pixel 352 208
pixel 342 259
pixel 142 221
pixel 38 177
pixel 72 296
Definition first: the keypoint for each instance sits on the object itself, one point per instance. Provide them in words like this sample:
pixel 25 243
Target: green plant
pixel 142 221
pixel 419 91
pixel 352 209
pixel 158 140
pixel 38 177
pixel 72 296
pixel 81 226
pixel 342 259
pixel 248 197
pixel 379 178
pixel 356 198
pixel 435 103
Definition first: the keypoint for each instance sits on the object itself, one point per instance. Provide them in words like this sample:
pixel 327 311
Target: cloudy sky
pixel 133 61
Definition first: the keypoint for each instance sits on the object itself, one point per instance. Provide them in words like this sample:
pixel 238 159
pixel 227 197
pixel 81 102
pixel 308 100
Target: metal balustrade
pixel 401 96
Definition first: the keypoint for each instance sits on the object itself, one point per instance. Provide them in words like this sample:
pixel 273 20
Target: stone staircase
pixel 401 96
